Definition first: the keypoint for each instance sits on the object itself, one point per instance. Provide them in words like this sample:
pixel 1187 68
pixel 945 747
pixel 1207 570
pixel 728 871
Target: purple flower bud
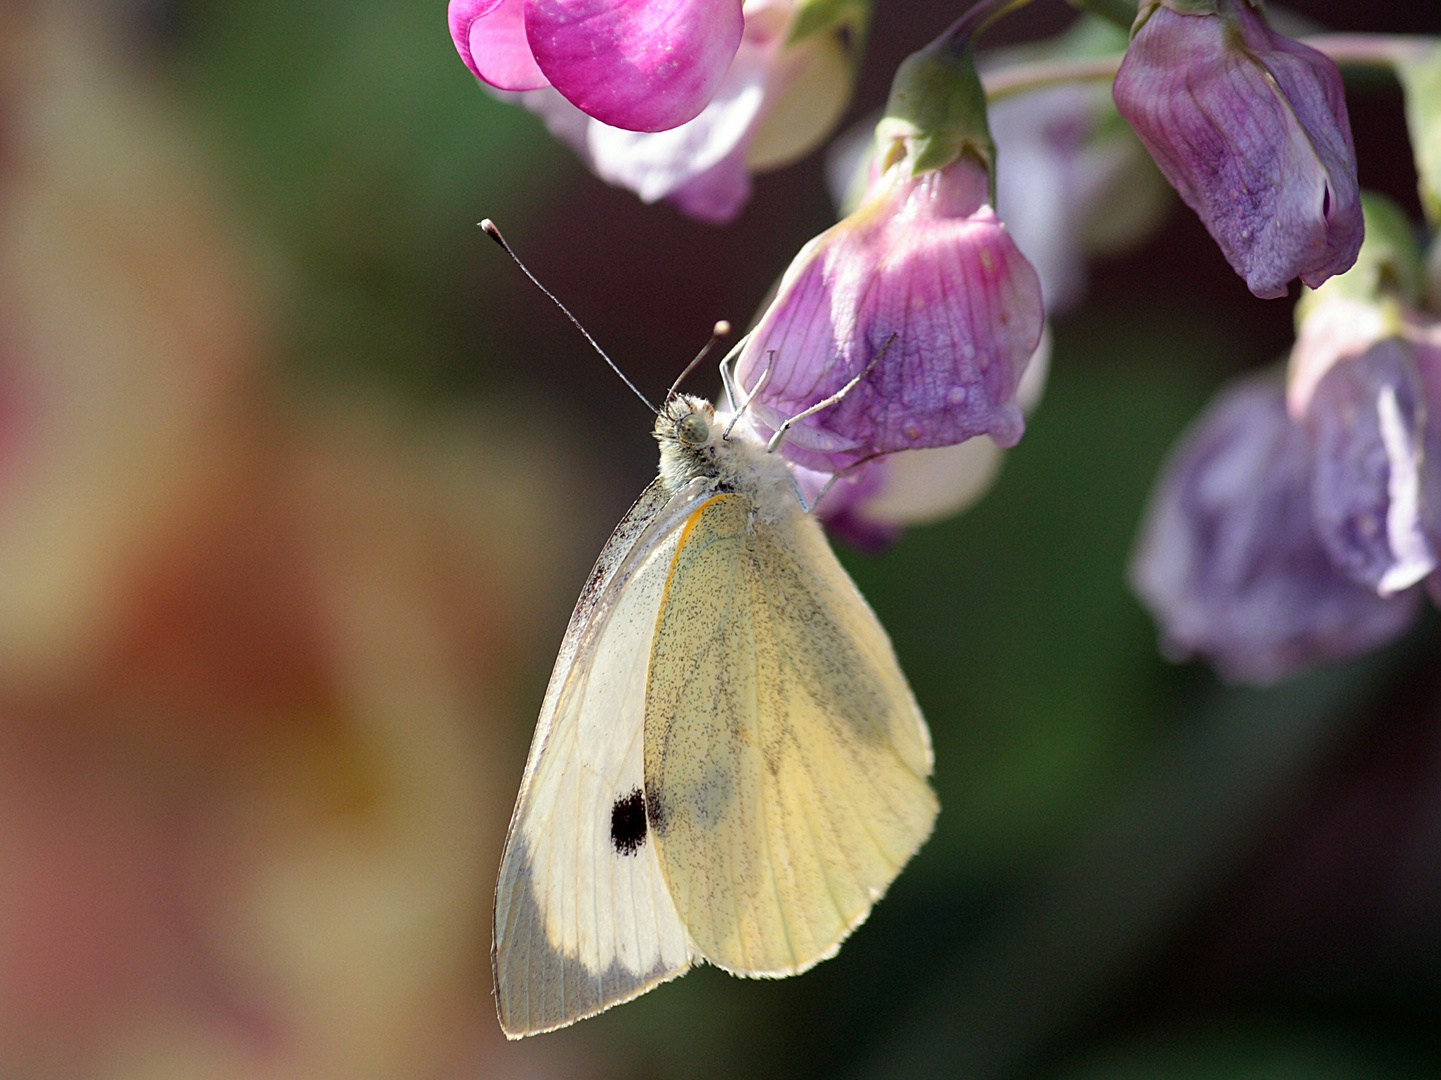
pixel 925 271
pixel 643 65
pixel 1229 561
pixel 1367 419
pixel 1250 127
pixel 779 97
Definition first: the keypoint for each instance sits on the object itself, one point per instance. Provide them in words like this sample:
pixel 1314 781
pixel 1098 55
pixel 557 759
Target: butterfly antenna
pixel 491 231
pixel 720 330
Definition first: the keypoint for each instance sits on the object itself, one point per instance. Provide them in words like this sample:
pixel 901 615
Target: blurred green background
pixel 1137 871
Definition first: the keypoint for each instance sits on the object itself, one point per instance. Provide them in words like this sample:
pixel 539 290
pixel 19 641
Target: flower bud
pixel 1229 561
pixel 920 292
pixel 1251 129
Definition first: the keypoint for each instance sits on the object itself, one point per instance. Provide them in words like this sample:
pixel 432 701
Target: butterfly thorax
pixel 694 444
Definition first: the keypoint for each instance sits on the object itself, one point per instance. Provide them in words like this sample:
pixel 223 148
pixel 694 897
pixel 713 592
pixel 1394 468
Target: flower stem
pixel 1019 78
pixel 970 25
pixel 1371 50
pixel 1362 50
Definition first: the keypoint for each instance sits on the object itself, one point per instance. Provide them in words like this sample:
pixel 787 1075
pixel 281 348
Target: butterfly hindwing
pixel 785 757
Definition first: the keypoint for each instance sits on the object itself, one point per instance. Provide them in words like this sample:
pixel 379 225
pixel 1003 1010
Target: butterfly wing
pixel 785 756
pixel 583 919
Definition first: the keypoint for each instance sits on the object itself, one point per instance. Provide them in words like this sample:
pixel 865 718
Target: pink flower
pixel 781 96
pixel 644 65
pixel 1251 129
pixel 925 271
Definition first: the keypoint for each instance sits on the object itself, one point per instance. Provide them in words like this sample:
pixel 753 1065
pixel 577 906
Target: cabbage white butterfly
pixel 729 765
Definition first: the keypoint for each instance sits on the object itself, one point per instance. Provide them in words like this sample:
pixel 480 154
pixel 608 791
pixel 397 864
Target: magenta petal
pixel 643 65
pixel 925 271
pixel 490 37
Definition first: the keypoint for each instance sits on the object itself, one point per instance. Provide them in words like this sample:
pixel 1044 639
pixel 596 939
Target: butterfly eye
pixel 692 430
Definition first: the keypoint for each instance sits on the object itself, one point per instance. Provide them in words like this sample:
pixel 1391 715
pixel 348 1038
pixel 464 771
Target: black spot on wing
pixel 627 823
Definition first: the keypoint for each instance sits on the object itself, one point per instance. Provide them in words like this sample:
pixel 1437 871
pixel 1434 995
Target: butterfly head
pixel 691 439
pixel 687 423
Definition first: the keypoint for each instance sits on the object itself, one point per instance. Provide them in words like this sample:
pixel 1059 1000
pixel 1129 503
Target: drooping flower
pixel 920 292
pixel 1229 561
pixel 1355 384
pixel 1294 522
pixel 1251 129
pixel 787 85
pixel 644 65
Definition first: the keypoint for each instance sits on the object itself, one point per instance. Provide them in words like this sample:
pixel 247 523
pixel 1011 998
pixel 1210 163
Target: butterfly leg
pixel 780 435
pixel 800 495
pixel 756 389
pixel 727 371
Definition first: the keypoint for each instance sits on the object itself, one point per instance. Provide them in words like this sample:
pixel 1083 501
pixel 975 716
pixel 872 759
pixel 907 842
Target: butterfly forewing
pixel 785 757
pixel 583 917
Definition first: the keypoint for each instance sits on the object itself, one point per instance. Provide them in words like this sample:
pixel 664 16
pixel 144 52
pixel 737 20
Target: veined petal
pixel 490 37
pixel 643 65
pixel 925 273
pixel 1251 129
pixel 1367 420
pixel 871 504
pixel 1229 562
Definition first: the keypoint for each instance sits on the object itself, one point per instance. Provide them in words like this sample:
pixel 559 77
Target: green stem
pixel 1371 50
pixel 1360 50
pixel 970 25
pixel 1019 78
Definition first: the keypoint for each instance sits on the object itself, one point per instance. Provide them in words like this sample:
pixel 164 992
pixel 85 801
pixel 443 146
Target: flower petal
pixel 925 273
pixel 490 37
pixel 643 65
pixel 1367 419
pixel 1251 129
pixel 1228 560
pixel 654 164
pixel 717 195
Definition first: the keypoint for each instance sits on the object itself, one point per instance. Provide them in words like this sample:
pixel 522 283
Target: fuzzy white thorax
pixel 736 462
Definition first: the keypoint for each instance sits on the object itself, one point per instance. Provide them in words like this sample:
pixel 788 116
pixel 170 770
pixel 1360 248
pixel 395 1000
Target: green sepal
pixel 1420 78
pixel 936 112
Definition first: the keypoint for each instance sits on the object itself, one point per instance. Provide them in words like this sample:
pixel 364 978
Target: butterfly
pixel 729 765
